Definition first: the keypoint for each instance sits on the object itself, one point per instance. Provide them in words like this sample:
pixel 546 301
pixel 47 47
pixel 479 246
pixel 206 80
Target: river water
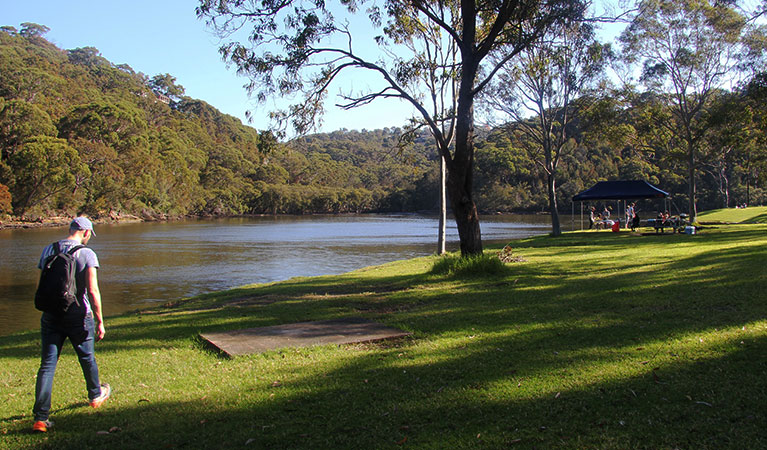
pixel 149 263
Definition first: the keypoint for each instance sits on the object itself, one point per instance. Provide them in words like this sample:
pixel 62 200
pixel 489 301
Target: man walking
pixel 82 323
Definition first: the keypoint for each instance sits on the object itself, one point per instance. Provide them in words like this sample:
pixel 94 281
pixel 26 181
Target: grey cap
pixel 82 223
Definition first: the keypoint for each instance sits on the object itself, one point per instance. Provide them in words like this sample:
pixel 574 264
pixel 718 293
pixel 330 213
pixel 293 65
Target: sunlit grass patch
pixel 753 214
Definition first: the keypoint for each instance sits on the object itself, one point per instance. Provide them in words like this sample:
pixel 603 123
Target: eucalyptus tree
pixel 688 49
pixel 543 91
pixel 19 121
pixel 45 167
pixel 300 47
pixel 87 56
pixel 11 31
pixel 435 57
pixel 33 30
pixel 730 141
pixel 753 142
pixel 165 84
pixel 6 205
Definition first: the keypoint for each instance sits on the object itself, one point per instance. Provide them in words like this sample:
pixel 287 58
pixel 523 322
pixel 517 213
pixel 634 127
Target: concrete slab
pixel 304 334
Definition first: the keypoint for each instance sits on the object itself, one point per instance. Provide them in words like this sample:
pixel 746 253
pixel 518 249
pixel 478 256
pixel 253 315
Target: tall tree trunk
pixel 725 185
pixel 442 207
pixel 748 179
pixel 460 180
pixel 465 212
pixel 556 230
pixel 460 169
pixel 691 192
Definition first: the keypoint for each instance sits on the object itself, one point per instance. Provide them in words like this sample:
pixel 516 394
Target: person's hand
pixel 100 331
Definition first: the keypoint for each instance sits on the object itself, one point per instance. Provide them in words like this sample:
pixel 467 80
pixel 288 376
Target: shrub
pixel 483 265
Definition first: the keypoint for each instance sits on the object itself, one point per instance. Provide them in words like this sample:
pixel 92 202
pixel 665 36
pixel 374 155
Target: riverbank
pixel 113 218
pixel 597 340
pixel 63 221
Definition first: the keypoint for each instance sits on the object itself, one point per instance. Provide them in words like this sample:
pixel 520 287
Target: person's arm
pixel 94 294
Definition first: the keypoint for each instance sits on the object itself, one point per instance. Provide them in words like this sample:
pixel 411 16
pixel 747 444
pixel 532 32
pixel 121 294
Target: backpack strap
pixel 74 249
pixel 57 248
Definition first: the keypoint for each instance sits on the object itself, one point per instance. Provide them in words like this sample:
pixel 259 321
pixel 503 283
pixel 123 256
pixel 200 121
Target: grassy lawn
pixel 597 340
pixel 753 214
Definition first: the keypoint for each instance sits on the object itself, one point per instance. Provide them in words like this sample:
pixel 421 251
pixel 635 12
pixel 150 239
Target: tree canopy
pixel 302 46
pixel 688 49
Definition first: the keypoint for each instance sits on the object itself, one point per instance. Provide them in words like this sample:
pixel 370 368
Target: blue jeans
pixel 55 330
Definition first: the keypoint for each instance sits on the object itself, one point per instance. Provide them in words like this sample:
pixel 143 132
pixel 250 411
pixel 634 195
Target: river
pixel 148 263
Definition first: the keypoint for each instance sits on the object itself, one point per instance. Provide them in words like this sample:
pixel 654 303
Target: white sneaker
pixel 106 391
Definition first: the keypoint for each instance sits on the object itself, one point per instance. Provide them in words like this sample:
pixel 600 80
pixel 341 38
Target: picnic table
pixel 677 224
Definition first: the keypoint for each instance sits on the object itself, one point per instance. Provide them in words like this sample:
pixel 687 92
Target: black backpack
pixel 57 289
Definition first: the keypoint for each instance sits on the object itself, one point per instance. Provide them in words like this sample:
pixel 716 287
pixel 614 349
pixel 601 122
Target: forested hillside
pixel 81 134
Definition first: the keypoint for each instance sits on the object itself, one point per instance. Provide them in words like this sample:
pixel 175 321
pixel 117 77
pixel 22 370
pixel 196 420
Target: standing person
pixel 630 215
pixel 636 221
pixel 77 324
pixel 606 213
pixel 592 217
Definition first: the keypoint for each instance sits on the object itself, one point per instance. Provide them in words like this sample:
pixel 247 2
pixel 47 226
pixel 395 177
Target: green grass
pixel 596 340
pixel 753 214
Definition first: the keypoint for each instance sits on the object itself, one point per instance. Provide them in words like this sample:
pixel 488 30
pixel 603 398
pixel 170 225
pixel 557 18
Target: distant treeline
pixel 81 134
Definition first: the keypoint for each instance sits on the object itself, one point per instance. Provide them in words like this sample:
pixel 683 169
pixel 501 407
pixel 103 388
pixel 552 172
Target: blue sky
pixel 164 36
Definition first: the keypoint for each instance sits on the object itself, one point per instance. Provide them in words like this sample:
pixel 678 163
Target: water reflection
pixel 144 263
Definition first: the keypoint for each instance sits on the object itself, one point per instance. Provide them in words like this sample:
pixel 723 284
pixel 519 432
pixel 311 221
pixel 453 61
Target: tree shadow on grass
pixel 761 218
pixel 479 398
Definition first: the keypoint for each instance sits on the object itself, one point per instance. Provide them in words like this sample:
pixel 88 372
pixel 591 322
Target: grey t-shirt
pixel 85 258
